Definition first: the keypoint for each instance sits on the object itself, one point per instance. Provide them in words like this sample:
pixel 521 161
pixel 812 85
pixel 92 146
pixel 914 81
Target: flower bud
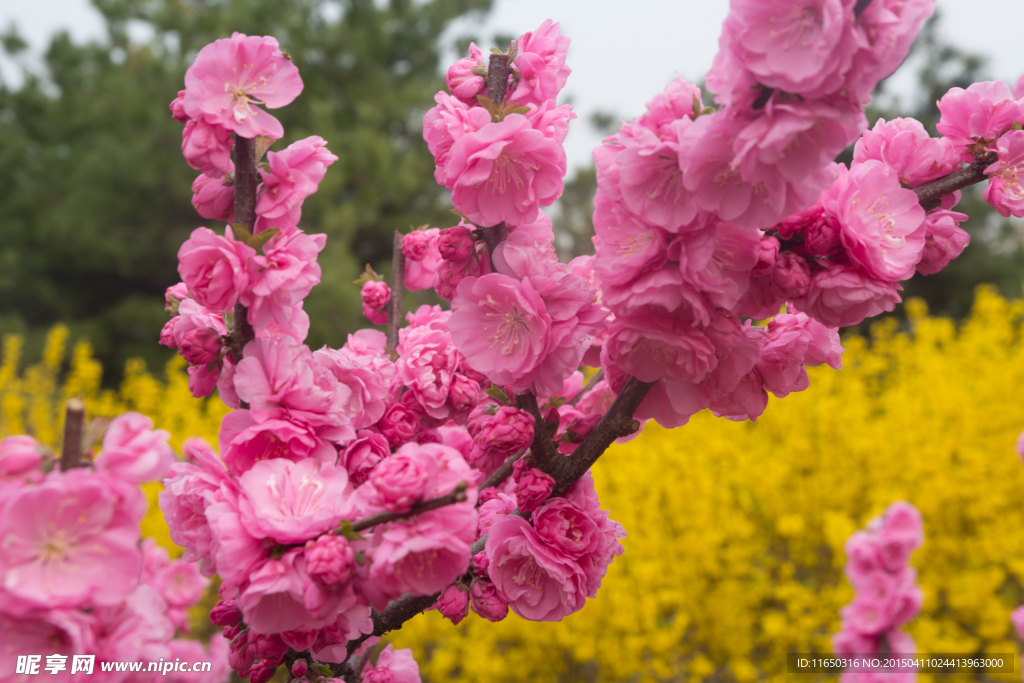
pixel 454 603
pixel 19 455
pixel 225 613
pixel 415 245
pixel 399 424
pixel 455 244
pixel 200 346
pixel 485 601
pixel 792 275
pixel 330 560
pixel 299 668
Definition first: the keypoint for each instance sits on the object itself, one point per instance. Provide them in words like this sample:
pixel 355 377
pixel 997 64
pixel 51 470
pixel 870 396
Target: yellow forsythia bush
pixel 32 402
pixel 736 530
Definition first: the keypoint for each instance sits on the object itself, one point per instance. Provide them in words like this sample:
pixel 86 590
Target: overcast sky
pixel 623 52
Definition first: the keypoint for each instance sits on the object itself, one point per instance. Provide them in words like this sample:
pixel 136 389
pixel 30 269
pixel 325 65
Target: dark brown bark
pixel 397 288
pixel 543 450
pixel 246 180
pixel 932 192
pixel 74 427
pixel 458 495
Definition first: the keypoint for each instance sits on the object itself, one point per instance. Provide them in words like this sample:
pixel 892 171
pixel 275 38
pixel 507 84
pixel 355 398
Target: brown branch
pixel 74 425
pixel 246 180
pixel 498 67
pixel 614 424
pixel 503 472
pixel 598 376
pixel 545 454
pixel 932 192
pixel 497 78
pixel 394 615
pixel 397 288
pixel 457 495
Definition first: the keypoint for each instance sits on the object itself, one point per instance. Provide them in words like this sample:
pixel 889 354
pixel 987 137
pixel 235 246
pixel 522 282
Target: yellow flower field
pixel 736 530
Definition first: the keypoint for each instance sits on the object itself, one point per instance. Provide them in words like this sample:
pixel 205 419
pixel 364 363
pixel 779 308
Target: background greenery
pixel 94 193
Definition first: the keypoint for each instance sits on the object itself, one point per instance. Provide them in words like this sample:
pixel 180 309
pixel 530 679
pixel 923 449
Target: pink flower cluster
pixel 74 577
pixel 503 168
pixel 887 596
pixel 545 570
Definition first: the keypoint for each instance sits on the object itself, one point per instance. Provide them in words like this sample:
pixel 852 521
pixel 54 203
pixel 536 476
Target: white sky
pixel 623 52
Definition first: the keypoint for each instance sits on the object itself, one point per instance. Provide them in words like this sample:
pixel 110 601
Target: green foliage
pixel 96 197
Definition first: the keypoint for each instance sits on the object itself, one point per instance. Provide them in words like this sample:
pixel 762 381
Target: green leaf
pixel 346 531
pixel 498 394
pixel 369 275
pixel 257 241
pixel 242 233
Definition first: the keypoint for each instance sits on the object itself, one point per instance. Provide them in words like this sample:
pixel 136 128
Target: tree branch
pixel 246 180
pixel 614 424
pixel 929 193
pixel 545 455
pixel 598 376
pixel 394 615
pixel 498 67
pixel 503 472
pixel 457 495
pixel 74 426
pixel 397 289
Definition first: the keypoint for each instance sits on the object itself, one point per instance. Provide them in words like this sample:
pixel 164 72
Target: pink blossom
pixel 973 119
pixel 792 276
pixel 881 223
pixel 796 46
pixel 540 62
pixel 282 277
pixel 532 488
pixel 192 319
pixel 279 374
pixel 500 430
pixel 401 480
pixel 399 424
pixel 715 263
pixel 20 458
pixel 462 78
pixel 367 377
pixel 232 75
pixel 212 199
pixel 188 489
pixel 54 631
pixel 795 341
pixel 281 596
pixel 214 268
pixel 363 454
pixel 538 581
pixel 453 244
pixel 392 666
pixel 680 99
pixel 292 502
pixel 244 441
pixel 796 138
pixel 225 613
pixel 905 146
pixel 421 258
pixel 454 603
pixel 1003 190
pixel 1017 619
pixel 202 379
pixel 427 361
pixel 463 395
pixel 820 229
pixel 446 123
pixel 651 180
pixel 375 296
pixel 293 174
pixel 886 30
pixel 651 346
pixel 944 239
pixel 178 582
pixel 550 120
pixel 177 107
pixel 421 555
pixel 330 560
pixel 83 550
pixel 133 451
pixel 505 172
pixel 207 147
pixel 706 157
pixel 486 601
pixel 842 295
pixel 201 346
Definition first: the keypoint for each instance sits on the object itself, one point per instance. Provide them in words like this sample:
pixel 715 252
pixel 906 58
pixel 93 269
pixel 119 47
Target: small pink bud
pixel 225 613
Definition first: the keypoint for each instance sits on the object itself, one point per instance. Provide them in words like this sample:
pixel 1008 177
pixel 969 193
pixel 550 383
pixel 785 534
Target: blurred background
pixel 94 193
pixel 736 530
